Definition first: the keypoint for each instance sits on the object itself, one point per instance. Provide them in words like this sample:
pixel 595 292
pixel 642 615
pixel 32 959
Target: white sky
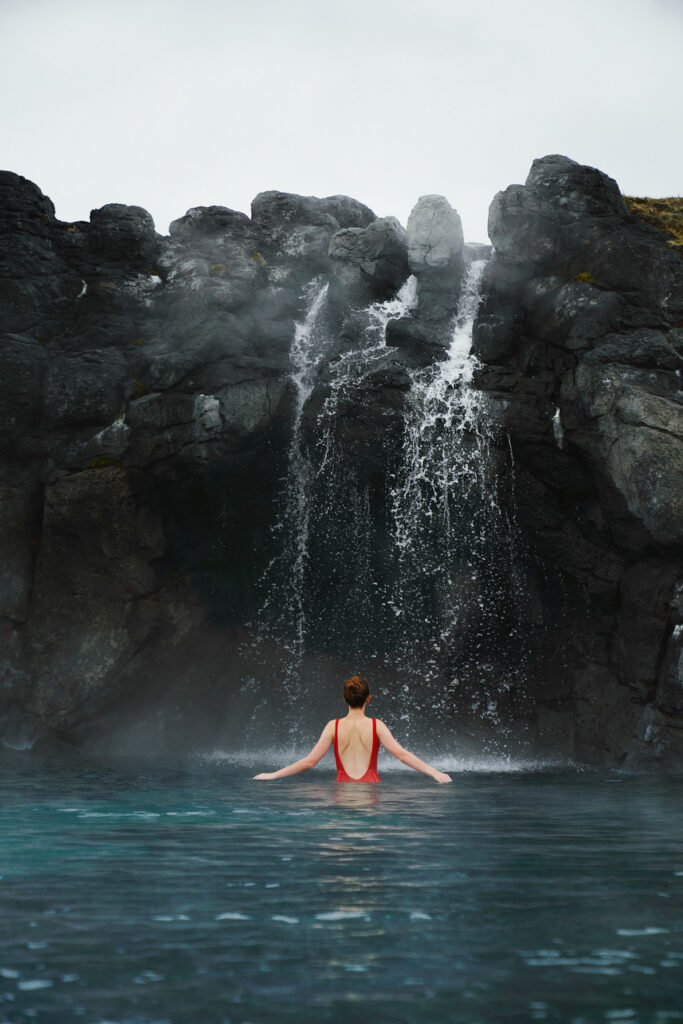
pixel 169 104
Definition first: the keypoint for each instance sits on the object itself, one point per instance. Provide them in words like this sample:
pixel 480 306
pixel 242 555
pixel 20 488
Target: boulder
pixel 123 234
pixel 435 254
pixel 274 212
pixel 300 227
pixel 434 236
pixel 571 219
pixel 210 221
pixel 368 264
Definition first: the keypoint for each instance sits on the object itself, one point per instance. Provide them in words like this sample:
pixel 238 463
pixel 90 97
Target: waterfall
pixel 454 583
pixel 369 352
pixel 407 558
pixel 284 578
pixel 445 409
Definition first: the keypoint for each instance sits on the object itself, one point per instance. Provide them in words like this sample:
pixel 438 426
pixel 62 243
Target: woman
pixel 356 743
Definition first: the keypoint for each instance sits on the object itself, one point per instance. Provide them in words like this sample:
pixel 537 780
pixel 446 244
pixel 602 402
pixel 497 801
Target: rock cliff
pixel 148 405
pixel 581 342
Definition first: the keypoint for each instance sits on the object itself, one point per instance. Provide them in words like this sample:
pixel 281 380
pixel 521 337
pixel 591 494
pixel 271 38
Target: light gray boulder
pixel 434 236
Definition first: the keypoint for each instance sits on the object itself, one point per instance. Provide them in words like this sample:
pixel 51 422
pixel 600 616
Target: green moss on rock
pixel 664 214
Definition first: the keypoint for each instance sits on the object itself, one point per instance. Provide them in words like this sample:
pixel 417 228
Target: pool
pixel 517 893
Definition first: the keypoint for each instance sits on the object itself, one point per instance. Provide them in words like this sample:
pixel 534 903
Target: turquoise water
pixel 200 896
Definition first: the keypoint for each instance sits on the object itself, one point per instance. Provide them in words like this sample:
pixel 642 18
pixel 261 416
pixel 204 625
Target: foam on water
pixel 277 757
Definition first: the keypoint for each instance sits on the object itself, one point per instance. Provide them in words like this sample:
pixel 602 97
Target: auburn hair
pixel 356 692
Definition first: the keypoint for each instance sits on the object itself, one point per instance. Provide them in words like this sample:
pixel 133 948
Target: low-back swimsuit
pixel 371 774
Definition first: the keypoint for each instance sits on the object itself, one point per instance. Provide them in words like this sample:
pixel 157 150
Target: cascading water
pixel 455 541
pixel 396 551
pixel 284 605
pixel 350 367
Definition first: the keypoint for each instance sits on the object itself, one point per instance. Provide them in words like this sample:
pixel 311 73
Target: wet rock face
pixel 299 228
pixel 147 407
pixel 579 339
pixel 368 264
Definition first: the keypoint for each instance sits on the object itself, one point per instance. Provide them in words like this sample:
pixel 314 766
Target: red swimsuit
pixel 371 774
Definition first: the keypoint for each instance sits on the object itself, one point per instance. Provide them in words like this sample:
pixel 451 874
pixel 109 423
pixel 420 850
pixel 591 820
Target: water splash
pixel 370 350
pixel 309 347
pixel 455 541
pixel 435 460
pixel 413 564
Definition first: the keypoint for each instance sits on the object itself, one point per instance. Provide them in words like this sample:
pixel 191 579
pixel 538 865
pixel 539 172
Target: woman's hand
pixel 264 775
pixel 442 777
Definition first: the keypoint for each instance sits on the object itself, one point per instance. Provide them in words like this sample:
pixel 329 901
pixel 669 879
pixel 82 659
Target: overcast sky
pixel 169 104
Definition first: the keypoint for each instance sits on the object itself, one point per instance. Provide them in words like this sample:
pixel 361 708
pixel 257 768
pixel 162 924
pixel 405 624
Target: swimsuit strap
pixel 336 747
pixel 375 745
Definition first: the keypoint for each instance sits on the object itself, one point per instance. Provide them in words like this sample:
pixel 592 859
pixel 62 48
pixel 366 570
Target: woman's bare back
pixel 354 742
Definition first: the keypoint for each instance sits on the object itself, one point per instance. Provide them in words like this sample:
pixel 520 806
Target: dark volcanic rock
pixel 299 228
pixel 421 345
pixel 580 328
pixel 147 409
pixel 203 221
pixel 368 264
pixel 572 219
pixel 122 234
pixel 36 286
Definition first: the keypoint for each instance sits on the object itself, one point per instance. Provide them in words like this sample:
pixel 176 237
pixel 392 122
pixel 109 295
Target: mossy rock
pixel 258 258
pixel 664 214
pixel 104 462
pixel 217 270
pixel 584 276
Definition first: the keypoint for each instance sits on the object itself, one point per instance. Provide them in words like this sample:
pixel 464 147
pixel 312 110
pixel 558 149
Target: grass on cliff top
pixel 664 214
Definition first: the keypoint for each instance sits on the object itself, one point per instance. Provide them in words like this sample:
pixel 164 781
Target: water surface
pixel 188 895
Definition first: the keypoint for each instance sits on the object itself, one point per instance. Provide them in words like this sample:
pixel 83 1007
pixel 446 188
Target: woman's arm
pixel 395 748
pixel 319 751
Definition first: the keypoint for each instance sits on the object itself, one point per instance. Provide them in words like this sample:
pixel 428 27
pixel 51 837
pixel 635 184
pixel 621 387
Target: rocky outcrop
pixel 148 409
pixel 436 253
pixel 436 258
pixel 367 263
pixel 581 349
pixel 146 405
